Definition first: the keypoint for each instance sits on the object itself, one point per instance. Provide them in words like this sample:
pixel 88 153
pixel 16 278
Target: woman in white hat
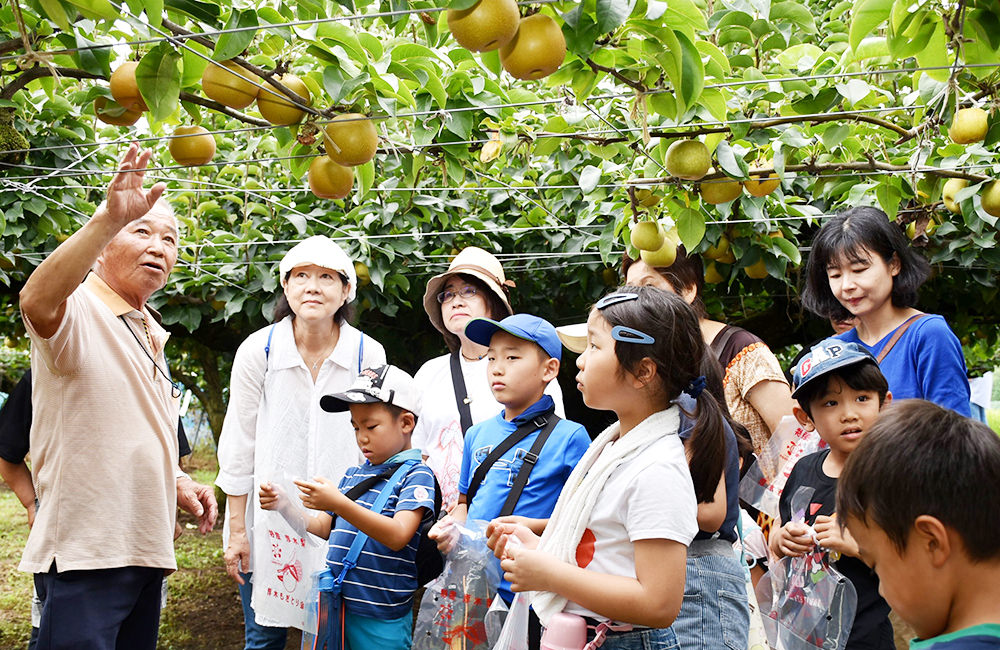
pixel 275 430
pixel 455 389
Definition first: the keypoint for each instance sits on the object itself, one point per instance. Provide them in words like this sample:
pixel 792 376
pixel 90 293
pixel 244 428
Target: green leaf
pixel 612 13
pixel 834 135
pixel 158 76
pixel 57 12
pixel 692 70
pixel 888 197
pixel 272 17
pixel 795 13
pixel 788 249
pixel 206 12
pixel 233 43
pixel 935 54
pixel 366 177
pixel 733 165
pixel 590 176
pixel 801 57
pixel 868 15
pixel 690 226
pixel 96 9
pixel 192 64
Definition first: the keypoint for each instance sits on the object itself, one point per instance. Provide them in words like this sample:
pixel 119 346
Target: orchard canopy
pixel 847 103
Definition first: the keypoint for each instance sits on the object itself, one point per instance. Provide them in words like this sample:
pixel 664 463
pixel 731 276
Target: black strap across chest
pixel 461 395
pixel 546 422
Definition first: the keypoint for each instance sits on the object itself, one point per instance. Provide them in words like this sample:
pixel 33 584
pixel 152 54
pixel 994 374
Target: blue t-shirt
pixel 926 363
pixel 383 582
pixel 562 451
pixel 977 637
pixel 731 471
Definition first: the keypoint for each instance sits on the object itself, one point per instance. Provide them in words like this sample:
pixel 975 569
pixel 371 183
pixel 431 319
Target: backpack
pixel 430 562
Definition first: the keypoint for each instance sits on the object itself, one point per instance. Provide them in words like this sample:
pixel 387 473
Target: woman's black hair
pixel 282 309
pixel 678 352
pixel 686 272
pixel 853 235
pixel 496 307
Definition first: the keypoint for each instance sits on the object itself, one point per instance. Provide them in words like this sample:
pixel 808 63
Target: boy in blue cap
pixel 840 391
pixel 526 438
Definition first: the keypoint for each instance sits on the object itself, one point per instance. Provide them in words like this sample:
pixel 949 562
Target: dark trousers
pixel 101 609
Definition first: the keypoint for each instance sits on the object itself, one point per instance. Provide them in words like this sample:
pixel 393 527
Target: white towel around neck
pixel 576 501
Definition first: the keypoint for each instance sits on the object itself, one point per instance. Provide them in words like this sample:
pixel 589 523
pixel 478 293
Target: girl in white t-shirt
pixel 615 547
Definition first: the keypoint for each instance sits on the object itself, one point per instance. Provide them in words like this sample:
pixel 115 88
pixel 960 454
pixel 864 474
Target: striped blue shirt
pixel 383 582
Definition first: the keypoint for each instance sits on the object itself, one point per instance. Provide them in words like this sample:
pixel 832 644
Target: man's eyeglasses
pixel 448 295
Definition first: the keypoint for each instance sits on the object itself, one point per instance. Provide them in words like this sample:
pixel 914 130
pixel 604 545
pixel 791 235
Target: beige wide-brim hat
pixel 573 337
pixel 471 261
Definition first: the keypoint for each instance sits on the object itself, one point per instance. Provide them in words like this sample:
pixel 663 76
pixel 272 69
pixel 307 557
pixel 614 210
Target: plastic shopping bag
pixel 763 483
pixel 514 635
pixel 286 561
pixel 453 610
pixel 806 603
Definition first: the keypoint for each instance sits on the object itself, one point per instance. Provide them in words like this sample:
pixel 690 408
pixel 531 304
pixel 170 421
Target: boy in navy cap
pixel 840 391
pixel 377 584
pixel 526 438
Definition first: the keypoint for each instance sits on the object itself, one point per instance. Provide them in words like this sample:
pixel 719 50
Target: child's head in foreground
pixel 921 496
pixel 383 411
pixel 524 355
pixel 840 390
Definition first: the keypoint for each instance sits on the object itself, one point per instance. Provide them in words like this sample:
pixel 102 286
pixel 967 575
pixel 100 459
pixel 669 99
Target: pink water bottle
pixel 565 632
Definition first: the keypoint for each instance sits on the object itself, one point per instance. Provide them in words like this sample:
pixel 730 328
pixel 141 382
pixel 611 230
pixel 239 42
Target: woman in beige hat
pixel 275 430
pixel 455 391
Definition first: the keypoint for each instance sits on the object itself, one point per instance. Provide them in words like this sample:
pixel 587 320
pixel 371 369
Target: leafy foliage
pixel 847 102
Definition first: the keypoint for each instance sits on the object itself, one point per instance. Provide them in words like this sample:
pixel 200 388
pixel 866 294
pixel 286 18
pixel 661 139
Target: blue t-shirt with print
pixel 382 584
pixel 977 637
pixel 560 454
pixel 926 363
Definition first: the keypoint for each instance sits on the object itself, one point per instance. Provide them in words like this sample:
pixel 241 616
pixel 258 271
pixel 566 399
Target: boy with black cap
pixel 376 584
pixel 840 391
pixel 526 438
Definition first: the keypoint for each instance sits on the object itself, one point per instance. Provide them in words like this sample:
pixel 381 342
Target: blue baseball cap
pixel 826 356
pixel 523 326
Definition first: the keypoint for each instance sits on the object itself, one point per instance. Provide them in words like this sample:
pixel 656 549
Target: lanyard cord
pixel 175 390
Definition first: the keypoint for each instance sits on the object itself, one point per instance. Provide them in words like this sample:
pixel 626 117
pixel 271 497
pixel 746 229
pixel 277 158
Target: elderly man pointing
pixel 103 438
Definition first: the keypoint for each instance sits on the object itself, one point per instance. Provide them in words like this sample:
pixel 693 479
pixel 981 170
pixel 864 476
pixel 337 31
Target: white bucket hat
pixel 472 261
pixel 321 251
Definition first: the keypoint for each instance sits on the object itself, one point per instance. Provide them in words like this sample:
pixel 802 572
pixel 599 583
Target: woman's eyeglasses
pixel 448 295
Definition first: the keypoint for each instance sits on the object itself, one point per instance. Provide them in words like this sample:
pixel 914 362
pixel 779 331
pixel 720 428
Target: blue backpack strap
pixel 327 634
pixel 267 346
pixel 351 559
pixel 361 352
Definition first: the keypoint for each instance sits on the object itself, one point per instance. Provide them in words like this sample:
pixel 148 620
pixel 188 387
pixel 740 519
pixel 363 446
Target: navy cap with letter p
pixel 829 354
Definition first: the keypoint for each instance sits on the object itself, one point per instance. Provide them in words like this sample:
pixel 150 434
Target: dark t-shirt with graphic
pixel 872 629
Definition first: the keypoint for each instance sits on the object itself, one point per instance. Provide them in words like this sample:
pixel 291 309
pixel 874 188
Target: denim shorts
pixel 715 614
pixel 644 639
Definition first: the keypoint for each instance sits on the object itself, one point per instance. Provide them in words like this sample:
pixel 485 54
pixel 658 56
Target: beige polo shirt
pixel 103 439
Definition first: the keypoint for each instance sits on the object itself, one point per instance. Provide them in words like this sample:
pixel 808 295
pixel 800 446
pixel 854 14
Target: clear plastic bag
pixel 453 609
pixel 805 602
pixel 763 483
pixel 514 635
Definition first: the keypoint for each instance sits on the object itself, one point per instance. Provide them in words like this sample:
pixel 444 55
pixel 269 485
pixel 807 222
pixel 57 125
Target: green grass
pixel 203 607
pixel 993 419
